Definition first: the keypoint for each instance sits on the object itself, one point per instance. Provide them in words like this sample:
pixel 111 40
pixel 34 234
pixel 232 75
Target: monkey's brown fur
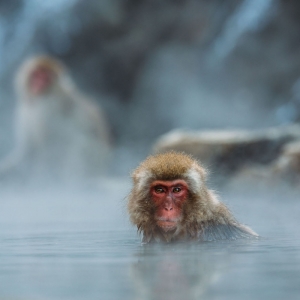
pixel 204 217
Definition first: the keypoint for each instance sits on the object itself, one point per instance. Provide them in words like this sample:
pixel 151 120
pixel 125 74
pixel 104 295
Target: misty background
pixel 153 66
pixel 158 65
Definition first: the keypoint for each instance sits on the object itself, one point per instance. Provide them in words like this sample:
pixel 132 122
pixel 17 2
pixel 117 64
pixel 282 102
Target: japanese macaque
pixel 170 202
pixel 60 132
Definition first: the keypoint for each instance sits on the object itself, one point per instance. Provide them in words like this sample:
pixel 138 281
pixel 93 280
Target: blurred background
pixel 155 66
pixel 158 65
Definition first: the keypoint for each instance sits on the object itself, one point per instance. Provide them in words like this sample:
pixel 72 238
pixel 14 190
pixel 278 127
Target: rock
pixel 287 165
pixel 226 151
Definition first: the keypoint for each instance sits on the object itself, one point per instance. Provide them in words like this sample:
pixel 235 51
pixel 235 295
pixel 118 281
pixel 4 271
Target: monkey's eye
pixel 176 190
pixel 159 190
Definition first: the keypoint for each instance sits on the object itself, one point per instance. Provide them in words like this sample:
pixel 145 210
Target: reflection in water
pixel 175 272
pixel 79 245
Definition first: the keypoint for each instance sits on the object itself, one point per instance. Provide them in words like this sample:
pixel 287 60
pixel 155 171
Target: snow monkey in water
pixel 60 132
pixel 170 202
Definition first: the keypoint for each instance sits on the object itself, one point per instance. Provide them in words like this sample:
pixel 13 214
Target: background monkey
pixel 60 133
pixel 170 202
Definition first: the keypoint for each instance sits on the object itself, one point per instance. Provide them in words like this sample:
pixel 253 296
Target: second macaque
pixel 60 132
pixel 171 202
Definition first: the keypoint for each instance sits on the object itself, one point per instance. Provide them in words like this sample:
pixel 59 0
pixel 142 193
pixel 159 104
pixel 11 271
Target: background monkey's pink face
pixel 40 80
pixel 168 197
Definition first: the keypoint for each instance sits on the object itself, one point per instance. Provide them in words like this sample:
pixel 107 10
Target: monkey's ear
pixel 214 232
pixel 140 178
pixel 197 177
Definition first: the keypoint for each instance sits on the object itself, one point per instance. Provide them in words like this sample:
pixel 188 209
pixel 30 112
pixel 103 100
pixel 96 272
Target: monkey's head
pixel 38 76
pixel 169 196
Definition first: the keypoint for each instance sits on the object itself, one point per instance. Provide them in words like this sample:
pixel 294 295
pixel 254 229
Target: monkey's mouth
pixel 166 225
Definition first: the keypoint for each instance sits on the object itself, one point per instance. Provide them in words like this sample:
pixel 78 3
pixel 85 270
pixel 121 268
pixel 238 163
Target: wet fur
pixel 204 217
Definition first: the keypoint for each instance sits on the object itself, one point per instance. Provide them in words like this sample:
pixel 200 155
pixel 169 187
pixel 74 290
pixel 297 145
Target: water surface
pixel 79 245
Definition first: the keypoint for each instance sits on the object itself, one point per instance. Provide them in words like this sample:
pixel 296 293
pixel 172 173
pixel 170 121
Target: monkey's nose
pixel 168 205
pixel 167 208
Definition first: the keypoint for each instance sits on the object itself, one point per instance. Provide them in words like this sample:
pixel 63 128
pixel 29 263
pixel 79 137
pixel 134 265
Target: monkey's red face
pixel 41 78
pixel 168 198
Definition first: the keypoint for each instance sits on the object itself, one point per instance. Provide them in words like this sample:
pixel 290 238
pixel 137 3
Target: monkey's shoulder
pixel 212 231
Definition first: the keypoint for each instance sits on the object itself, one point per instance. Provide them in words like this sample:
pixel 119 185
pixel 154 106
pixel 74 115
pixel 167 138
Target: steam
pixel 22 28
pixel 249 16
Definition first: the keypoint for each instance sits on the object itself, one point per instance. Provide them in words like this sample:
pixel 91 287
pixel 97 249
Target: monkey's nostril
pixel 168 208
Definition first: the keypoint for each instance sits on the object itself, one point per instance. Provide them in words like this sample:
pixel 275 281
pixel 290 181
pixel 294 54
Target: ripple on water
pixel 81 248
